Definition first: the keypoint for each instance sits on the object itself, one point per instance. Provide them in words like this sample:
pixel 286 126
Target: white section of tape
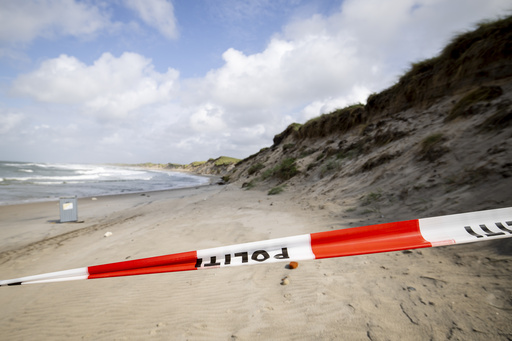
pixel 267 251
pixel 467 227
pixel 59 279
pixel 83 272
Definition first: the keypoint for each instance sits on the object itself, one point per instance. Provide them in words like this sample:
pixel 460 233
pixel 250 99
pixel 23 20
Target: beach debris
pixel 293 265
pixel 94 198
pixel 107 234
pixel 285 281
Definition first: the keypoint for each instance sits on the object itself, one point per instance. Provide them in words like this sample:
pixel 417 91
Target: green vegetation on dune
pixel 340 120
pixel 225 160
pixel 220 161
pixel 431 147
pixel 255 168
pixel 290 130
pixel 197 163
pixel 276 190
pixel 483 93
pixel 286 170
pixel 174 165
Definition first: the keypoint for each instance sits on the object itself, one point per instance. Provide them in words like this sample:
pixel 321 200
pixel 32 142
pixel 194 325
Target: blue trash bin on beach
pixel 68 209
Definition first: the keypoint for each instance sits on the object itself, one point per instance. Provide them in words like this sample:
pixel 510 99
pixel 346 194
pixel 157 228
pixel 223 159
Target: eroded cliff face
pixel 437 141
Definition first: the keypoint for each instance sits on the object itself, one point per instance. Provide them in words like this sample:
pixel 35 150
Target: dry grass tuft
pixel 483 93
pixel 338 121
pixel 499 120
pixel 432 148
pixel 290 130
pixel 377 161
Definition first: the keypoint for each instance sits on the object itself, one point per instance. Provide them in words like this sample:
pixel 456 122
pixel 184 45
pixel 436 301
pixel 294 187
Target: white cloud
pixel 208 118
pixel 9 121
pixel 23 21
pixel 110 86
pixel 27 20
pixel 311 61
pixel 289 73
pixel 158 14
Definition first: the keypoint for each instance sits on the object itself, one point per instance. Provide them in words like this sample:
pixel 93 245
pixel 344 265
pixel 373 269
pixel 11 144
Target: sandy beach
pixel 459 292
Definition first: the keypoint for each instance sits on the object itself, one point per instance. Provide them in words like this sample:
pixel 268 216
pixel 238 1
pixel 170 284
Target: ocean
pixel 22 182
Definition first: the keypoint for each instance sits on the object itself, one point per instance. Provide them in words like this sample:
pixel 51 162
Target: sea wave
pixel 30 181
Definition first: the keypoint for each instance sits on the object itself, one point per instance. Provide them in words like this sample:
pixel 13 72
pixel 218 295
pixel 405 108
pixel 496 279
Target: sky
pixel 132 81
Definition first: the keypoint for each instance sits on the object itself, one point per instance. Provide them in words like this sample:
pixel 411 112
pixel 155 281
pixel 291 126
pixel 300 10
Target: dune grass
pixel 484 93
pixel 431 147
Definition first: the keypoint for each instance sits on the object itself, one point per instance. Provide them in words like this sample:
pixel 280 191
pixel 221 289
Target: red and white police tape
pixel 403 235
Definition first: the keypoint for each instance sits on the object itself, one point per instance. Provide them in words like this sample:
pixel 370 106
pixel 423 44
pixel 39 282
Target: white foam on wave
pixel 109 173
pixel 54 180
pixel 49 182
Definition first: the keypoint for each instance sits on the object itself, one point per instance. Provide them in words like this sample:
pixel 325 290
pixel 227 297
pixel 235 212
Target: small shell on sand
pixel 293 265
pixel 285 281
pixel 107 234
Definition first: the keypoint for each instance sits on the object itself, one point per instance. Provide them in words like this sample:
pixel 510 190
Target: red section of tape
pixel 145 271
pixel 368 239
pixel 169 263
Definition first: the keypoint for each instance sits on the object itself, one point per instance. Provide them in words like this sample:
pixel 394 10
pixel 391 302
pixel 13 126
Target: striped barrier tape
pixel 403 235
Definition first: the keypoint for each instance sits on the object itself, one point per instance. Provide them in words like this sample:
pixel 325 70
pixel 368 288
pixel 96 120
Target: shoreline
pixel 213 179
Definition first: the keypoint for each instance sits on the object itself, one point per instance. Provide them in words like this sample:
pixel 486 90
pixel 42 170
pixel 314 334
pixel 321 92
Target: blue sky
pixel 185 80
